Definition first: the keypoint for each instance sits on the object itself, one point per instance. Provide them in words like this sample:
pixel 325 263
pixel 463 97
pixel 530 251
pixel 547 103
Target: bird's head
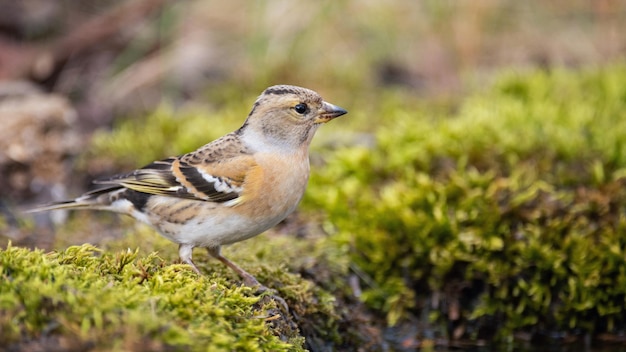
pixel 288 116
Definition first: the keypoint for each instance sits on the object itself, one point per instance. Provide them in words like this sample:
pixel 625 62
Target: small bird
pixel 229 190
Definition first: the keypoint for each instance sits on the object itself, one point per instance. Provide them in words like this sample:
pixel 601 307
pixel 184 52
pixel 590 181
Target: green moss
pixel 121 301
pixel 512 206
pixel 133 284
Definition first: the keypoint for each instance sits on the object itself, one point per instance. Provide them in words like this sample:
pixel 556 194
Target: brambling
pixel 229 190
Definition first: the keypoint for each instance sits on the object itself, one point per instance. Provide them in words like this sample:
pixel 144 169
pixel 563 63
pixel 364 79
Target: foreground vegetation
pixel 83 297
pixel 124 302
pixel 501 215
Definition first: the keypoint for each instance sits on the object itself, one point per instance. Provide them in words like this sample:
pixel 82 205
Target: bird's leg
pixel 248 279
pixel 184 252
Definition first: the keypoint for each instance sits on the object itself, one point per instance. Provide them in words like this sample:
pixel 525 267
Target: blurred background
pixel 110 58
pixel 73 73
pixel 87 64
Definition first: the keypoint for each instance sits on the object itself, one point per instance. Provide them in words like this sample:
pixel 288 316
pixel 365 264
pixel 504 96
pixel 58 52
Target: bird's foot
pixel 280 302
pixel 249 280
pixel 266 292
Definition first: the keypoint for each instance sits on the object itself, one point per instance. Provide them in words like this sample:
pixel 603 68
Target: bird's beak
pixel 329 112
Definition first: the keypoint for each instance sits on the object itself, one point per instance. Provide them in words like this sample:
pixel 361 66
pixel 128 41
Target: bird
pixel 229 190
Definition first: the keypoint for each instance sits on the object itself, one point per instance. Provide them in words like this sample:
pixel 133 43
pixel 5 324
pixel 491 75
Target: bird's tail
pixel 96 199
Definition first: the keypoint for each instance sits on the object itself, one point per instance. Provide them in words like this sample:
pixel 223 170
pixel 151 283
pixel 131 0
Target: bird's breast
pixel 276 186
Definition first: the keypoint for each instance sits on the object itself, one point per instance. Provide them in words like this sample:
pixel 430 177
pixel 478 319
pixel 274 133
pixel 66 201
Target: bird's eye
pixel 301 108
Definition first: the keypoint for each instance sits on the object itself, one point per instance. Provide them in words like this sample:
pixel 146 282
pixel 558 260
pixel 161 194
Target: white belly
pixel 215 231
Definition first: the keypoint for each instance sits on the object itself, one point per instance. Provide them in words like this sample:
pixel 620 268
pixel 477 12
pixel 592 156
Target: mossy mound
pixel 507 215
pixel 85 297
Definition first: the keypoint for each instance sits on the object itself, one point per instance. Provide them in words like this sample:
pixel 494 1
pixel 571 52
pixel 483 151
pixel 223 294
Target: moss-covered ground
pixel 497 217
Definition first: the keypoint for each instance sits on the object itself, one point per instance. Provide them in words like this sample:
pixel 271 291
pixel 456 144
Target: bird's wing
pixel 212 173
